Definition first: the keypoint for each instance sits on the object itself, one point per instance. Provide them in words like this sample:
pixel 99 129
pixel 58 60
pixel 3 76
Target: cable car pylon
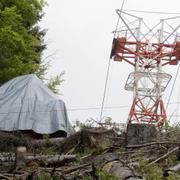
pixel 148 50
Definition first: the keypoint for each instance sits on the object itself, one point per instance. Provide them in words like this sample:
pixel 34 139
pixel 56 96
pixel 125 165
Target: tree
pixel 21 39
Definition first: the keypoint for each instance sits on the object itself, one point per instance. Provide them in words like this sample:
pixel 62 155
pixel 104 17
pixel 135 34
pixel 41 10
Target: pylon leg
pixel 151 113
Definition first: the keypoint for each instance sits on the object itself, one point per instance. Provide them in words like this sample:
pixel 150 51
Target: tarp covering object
pixel 27 104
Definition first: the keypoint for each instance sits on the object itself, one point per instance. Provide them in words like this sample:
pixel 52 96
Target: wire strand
pixel 78 109
pixel 151 12
pixel 170 95
pixel 108 71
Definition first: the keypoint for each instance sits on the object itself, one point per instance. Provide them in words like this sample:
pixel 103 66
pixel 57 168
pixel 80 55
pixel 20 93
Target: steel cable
pixel 108 70
pixel 170 95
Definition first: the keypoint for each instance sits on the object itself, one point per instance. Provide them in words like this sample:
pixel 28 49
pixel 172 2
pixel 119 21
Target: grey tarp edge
pixel 27 104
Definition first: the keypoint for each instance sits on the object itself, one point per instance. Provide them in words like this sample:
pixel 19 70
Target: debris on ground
pixel 92 153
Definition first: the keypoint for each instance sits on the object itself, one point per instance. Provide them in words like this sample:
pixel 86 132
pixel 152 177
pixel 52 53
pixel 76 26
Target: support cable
pixel 108 69
pixel 177 109
pixel 151 12
pixel 177 72
pixel 80 109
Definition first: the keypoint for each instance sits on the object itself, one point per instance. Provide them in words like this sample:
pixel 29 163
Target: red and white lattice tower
pixel 148 53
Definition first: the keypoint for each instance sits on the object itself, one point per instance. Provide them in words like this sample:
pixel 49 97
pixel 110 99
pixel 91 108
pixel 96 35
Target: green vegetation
pixel 173 176
pixel 54 82
pixel 22 40
pixel 153 171
pixel 44 176
pixel 150 172
pixel 173 132
pixel 106 123
pixel 80 125
pixel 102 175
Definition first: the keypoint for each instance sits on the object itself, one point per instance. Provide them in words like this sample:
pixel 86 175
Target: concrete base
pixel 140 133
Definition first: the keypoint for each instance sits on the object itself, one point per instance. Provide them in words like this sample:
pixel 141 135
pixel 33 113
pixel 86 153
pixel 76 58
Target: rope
pixel 108 70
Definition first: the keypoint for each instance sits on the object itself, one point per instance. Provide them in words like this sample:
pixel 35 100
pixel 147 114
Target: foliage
pixel 54 82
pixel 149 172
pixel 173 176
pixel 87 178
pixel 22 40
pixel 21 45
pixel 80 125
pixel 102 175
pixel 97 151
pixel 109 124
pixel 173 132
pixel 44 176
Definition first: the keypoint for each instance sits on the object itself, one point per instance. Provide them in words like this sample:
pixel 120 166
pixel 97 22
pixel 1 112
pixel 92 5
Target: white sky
pixel 79 32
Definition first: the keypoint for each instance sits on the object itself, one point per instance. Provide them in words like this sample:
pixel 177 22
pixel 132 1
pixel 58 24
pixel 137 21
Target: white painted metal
pixel 146 82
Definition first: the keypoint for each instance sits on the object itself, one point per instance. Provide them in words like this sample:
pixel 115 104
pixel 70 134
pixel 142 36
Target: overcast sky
pixel 79 35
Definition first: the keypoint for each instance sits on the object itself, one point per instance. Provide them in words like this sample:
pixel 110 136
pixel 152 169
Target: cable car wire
pixel 170 95
pixel 108 71
pixel 151 12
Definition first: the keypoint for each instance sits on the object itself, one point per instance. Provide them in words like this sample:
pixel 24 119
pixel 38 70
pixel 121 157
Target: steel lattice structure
pixel 148 53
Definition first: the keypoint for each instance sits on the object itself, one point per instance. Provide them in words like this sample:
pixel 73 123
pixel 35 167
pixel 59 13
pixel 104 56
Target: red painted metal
pixel 168 54
pixel 122 50
pixel 154 114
